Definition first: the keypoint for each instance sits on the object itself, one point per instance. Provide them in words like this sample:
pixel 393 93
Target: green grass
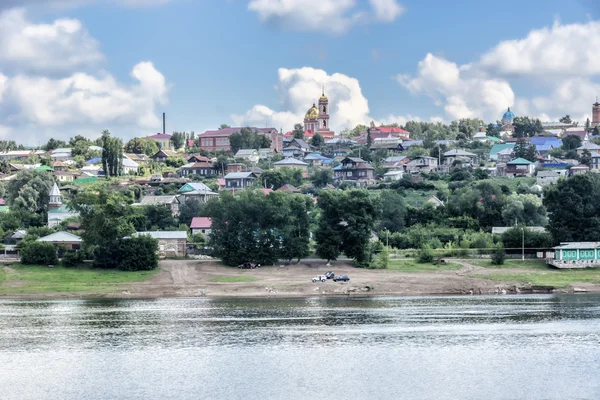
pixel 511 183
pixel 232 279
pixel 508 264
pixel 414 266
pixel 555 278
pixel 37 279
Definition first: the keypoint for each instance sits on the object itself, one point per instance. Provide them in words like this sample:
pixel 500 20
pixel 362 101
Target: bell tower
pixel 595 113
pixel 55 198
pixel 323 111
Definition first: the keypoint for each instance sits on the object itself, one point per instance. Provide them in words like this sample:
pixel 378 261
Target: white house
pixel 130 167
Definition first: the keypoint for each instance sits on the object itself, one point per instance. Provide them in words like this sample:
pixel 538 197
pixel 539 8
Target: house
pixel 129 166
pixel 580 133
pixel 545 178
pixel 61 154
pixel 162 155
pixel 595 165
pixel 578 169
pixel 202 168
pixel 289 188
pixel 170 243
pixel 15 237
pixel 382 132
pixel 519 167
pixel 291 163
pixel 435 201
pixel 239 180
pixel 354 169
pixel 197 191
pixel 236 167
pixel 163 140
pixel 296 148
pixel 255 155
pixel 498 147
pixel 63 239
pixel 589 147
pixel 575 255
pixel 504 156
pixel 459 155
pixel 499 230
pixel 64 176
pixel 219 139
pixel 317 160
pixel 168 201
pixel 392 144
pixel 138 158
pixel 393 175
pixel 60 166
pixel 201 225
pixel 422 164
pixel 396 163
pixel 92 170
pixel 481 137
pixel 20 154
pixel 57 211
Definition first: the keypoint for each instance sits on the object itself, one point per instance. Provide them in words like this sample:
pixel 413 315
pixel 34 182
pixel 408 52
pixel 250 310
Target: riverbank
pixel 191 278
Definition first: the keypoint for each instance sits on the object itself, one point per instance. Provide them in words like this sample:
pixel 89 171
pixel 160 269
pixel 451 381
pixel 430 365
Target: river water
pixel 503 347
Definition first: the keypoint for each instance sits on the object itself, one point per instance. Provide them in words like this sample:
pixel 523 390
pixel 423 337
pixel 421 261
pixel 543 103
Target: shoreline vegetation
pixel 192 278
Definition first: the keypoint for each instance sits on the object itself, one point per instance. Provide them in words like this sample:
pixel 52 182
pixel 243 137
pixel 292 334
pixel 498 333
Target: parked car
pixel 319 278
pixel 248 265
pixel 329 275
pixel 343 278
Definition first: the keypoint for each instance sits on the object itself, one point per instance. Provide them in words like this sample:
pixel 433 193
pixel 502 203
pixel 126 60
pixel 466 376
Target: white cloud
pixel 52 84
pixel 299 88
pixel 333 16
pixel 461 93
pixel 386 10
pixel 61 46
pixel 565 50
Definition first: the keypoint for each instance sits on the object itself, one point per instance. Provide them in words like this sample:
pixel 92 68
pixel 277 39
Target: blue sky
pixel 206 62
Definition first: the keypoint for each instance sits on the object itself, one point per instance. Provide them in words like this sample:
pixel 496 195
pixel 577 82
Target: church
pixel 57 211
pixel 316 119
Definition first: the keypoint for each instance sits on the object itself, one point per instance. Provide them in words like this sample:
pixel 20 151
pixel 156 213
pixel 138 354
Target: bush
pixel 425 255
pixel 39 253
pixel 383 259
pixel 138 253
pixel 498 255
pixel 72 259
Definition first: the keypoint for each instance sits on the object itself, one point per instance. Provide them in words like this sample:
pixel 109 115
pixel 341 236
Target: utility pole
pixel 523 243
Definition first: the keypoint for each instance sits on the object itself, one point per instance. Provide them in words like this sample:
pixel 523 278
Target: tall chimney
pixel 164 126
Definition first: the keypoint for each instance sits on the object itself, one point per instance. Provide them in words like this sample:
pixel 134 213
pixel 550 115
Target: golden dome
pixel 312 112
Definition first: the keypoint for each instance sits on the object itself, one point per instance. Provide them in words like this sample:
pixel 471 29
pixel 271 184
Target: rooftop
pixel 163 234
pixel 61 237
pixel 201 223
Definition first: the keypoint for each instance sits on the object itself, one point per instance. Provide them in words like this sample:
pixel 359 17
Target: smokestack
pixel 164 126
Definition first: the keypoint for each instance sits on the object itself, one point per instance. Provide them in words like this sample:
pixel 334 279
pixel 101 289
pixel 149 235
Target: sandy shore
pixel 193 278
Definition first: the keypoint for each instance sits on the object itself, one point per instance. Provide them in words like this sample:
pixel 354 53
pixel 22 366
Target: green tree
pixel 112 155
pixel 525 126
pixel 141 146
pixel 139 253
pixel 38 253
pixel 393 211
pixel 317 141
pixel 30 191
pixel 523 150
pixel 524 209
pixel 174 162
pixel 469 126
pixel 54 144
pixel 276 178
pixel 573 209
pixel 586 157
pixel 178 140
pixel 321 177
pixel 498 255
pixel 566 119
pixel 571 142
pixel 247 138
pixel 298 131
pixel 223 126
pixel 492 130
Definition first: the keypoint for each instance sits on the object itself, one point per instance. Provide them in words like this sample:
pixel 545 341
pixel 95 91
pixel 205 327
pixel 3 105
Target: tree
pixel 566 119
pixel 223 126
pixel 190 209
pixel 112 155
pixel 298 131
pixel 317 141
pixel 586 157
pixel 588 124
pixel 469 126
pixel 523 150
pixel 178 140
pixel 38 253
pixel 276 178
pixel 571 142
pixel 524 209
pixel 492 130
pixel 393 211
pixel 30 191
pixel 525 126
pixel 54 144
pixel 321 177
pixel 498 255
pixel 573 209
pixel 141 146
pixel 247 138
pixel 139 253
pixel 105 220
pixel 174 162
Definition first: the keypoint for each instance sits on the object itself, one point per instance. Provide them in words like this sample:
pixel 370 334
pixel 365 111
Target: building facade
pixel 219 139
pixel 316 119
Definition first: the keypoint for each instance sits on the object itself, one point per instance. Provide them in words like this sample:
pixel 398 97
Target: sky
pixel 70 67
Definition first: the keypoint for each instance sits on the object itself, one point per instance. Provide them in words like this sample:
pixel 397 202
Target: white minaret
pixel 55 198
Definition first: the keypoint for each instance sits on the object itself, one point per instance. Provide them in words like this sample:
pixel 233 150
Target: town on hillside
pixel 515 187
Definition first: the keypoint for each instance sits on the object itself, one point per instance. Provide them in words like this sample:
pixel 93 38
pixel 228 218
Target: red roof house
pixel 201 225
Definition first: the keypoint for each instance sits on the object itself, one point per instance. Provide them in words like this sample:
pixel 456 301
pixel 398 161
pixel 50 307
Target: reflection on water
pixel 503 347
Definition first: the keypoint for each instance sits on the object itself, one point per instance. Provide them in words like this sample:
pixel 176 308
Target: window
pixel 324 109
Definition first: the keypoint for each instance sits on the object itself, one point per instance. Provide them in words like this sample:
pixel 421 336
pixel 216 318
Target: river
pixel 478 347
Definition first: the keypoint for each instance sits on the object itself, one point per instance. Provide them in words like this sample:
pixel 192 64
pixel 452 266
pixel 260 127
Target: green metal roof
pixel 519 161
pixel 83 181
pixel 4 209
pixel 44 168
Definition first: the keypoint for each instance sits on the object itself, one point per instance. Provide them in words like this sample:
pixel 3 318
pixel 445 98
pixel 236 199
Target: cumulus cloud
pixel 565 50
pixel 461 93
pixel 333 16
pixel 61 46
pixel 386 10
pixel 299 88
pixel 52 83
